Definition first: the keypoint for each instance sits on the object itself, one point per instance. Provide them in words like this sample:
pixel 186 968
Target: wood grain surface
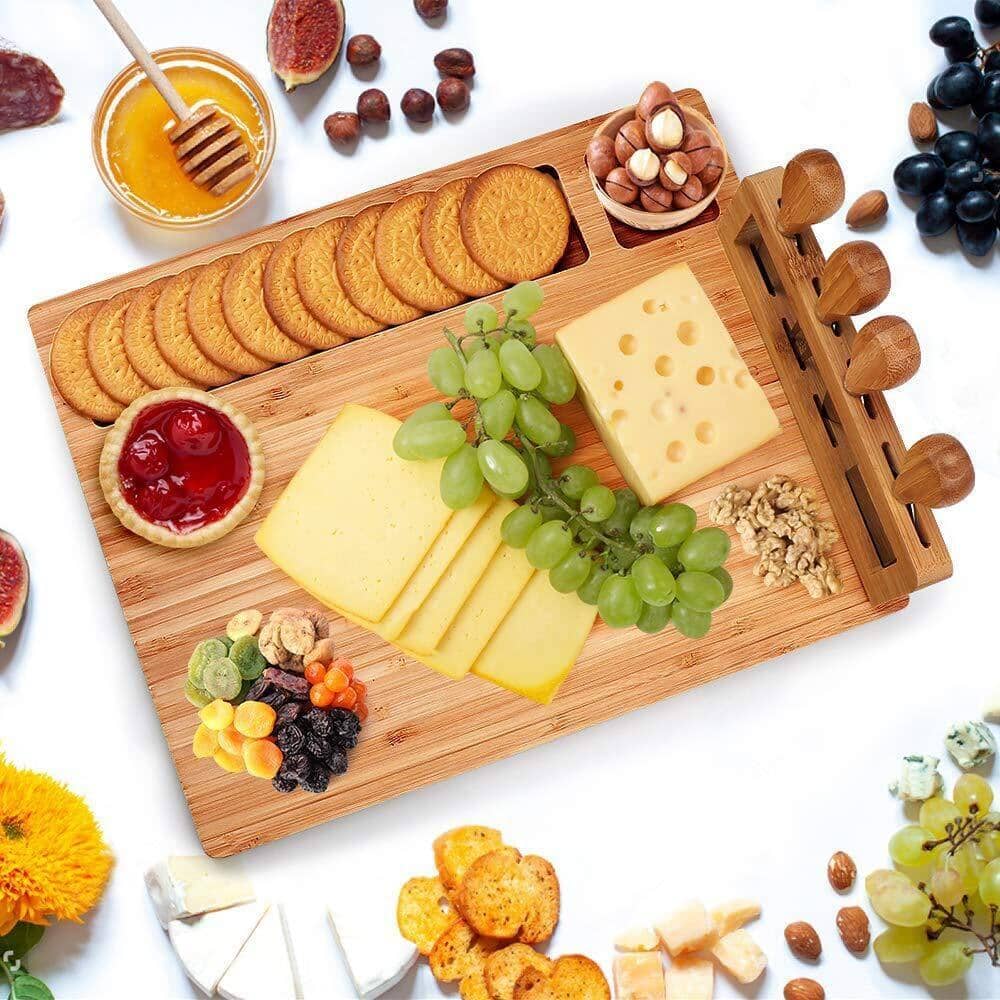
pixel 423 727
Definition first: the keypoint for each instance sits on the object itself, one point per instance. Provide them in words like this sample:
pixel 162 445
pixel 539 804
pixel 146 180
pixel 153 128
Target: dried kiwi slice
pixel 204 653
pixel 226 641
pixel 196 695
pixel 222 679
pixel 248 658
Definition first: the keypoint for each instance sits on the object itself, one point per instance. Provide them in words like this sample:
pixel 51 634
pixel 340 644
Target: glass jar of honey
pixel 133 151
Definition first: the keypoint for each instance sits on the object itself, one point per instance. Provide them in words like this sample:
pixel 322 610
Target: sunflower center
pixel 12 828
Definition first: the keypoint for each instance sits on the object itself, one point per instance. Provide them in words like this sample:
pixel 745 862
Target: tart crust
pixel 159 535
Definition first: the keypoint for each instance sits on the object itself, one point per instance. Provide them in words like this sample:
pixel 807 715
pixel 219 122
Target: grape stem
pixel 945 916
pixel 964 830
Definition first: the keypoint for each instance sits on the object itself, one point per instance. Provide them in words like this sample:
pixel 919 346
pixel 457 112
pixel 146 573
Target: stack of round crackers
pixel 344 279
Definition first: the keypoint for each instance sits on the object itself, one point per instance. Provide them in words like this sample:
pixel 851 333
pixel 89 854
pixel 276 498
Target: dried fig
pixel 323 652
pixel 304 38
pixel 297 635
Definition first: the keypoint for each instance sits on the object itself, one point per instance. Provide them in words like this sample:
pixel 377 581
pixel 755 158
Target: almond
pixel 841 871
pixel 870 208
pixel 803 941
pixel 923 123
pixel 855 931
pixel 804 989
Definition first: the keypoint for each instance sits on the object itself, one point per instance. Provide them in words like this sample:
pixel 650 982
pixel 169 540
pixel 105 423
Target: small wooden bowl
pixel 638 218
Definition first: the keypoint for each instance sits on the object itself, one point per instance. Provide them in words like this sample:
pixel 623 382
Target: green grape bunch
pixel 647 567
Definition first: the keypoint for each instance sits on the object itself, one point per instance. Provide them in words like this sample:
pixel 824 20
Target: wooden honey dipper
pixel 209 147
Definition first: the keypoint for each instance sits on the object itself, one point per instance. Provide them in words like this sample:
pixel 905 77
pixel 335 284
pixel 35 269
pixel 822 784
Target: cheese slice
pixel 265 968
pixel 356 520
pixel 664 384
pixel 208 945
pixel 432 619
pixel 188 886
pixel 480 616
pixel 538 642
pixel 639 976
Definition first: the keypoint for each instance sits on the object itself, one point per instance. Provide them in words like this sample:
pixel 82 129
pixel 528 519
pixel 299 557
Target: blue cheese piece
pixel 919 779
pixel 970 744
pixel 991 713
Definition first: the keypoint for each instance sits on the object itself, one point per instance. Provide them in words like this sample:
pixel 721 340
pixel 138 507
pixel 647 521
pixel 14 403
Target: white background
pixel 743 787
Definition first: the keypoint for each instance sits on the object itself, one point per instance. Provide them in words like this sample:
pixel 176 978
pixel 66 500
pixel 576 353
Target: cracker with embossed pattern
pixel 139 338
pixel 106 351
pixel 71 372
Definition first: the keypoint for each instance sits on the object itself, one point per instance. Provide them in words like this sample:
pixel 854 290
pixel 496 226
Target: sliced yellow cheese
pixel 664 384
pixel 356 520
pixel 494 595
pixel 538 642
pixel 432 619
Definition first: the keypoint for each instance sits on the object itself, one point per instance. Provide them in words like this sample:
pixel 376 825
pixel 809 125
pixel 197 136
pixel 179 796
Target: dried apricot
pixel 262 758
pixel 231 740
pixel 336 680
pixel 217 715
pixel 228 761
pixel 345 666
pixel 255 719
pixel 321 696
pixel 315 672
pixel 206 741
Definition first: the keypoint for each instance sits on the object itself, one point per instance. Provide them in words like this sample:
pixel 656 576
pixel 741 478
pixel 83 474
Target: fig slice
pixel 13 584
pixel 304 39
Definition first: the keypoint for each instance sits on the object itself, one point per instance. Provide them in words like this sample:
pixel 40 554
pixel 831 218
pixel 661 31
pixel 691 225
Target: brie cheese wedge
pixel 377 955
pixel 187 887
pixel 265 968
pixel 208 945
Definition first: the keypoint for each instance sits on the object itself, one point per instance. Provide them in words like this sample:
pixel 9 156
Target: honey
pixel 133 148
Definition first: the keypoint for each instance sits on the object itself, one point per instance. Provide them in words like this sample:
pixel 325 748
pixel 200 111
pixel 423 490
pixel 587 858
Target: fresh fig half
pixel 304 38
pixel 13 584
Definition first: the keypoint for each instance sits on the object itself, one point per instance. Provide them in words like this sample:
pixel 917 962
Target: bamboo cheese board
pixel 424 727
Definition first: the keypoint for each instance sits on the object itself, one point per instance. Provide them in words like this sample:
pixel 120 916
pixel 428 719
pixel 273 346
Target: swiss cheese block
pixel 639 976
pixel 432 619
pixel 664 384
pixel 690 979
pixel 356 520
pixel 538 642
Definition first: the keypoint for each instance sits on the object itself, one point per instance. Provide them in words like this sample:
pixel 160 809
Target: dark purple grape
pixel 936 215
pixel 989 136
pixel 961 55
pixel 955 146
pixel 989 99
pixel 932 98
pixel 959 85
pixel 963 177
pixel 991 64
pixel 952 32
pixel 977 238
pixel 992 182
pixel 988 13
pixel 976 206
pixel 920 174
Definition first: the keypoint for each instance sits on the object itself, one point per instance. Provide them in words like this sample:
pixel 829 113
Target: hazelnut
pixel 363 49
pixel 690 194
pixel 453 94
pixel 342 128
pixel 654 96
pixel 665 129
pixel 417 105
pixel 656 198
pixel 373 106
pixel 713 169
pixel 619 186
pixel 697 144
pixel 631 136
pixel 455 62
pixel 428 9
pixel 601 156
pixel 643 167
pixel 675 171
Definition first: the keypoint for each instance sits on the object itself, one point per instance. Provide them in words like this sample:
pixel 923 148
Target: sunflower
pixel 53 860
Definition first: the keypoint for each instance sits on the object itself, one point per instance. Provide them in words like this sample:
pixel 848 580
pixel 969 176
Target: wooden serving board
pixel 424 727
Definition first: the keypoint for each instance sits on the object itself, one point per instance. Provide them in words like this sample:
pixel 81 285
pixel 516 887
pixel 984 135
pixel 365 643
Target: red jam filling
pixel 183 465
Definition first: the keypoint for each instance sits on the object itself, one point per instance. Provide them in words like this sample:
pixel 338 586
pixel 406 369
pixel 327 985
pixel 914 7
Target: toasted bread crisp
pixel 504 968
pixel 460 953
pixel 423 912
pixel 457 849
pixel 573 977
pixel 507 896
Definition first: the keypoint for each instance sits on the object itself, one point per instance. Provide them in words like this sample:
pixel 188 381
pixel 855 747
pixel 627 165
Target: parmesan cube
pixel 731 916
pixel 687 929
pixel 638 939
pixel 639 977
pixel 740 956
pixel 690 979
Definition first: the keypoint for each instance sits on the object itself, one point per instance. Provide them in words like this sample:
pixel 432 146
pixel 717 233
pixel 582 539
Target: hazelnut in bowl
pixel 657 165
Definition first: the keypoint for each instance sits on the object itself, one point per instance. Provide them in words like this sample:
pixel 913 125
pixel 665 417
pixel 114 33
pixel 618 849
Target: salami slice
pixel 30 93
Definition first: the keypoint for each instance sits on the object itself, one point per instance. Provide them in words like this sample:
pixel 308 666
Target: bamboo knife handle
pixel 937 472
pixel 884 355
pixel 812 190
pixel 855 280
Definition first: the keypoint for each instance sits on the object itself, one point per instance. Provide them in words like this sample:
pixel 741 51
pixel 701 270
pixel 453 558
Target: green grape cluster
pixel 947 879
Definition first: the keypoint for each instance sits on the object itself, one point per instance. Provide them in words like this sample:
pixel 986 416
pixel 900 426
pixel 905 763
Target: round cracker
pixel 173 334
pixel 360 277
pixel 441 242
pixel 208 322
pixel 283 301
pixel 71 372
pixel 401 261
pixel 515 222
pixel 320 287
pixel 106 351
pixel 246 313
pixel 139 339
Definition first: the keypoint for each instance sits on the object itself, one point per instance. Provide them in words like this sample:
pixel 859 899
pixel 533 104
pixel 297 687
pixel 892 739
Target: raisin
pixel 275 699
pixel 318 747
pixel 319 721
pixel 258 689
pixel 346 742
pixel 283 782
pixel 289 712
pixel 337 761
pixel 289 738
pixel 297 765
pixel 346 724
pixel 292 683
pixel 318 779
